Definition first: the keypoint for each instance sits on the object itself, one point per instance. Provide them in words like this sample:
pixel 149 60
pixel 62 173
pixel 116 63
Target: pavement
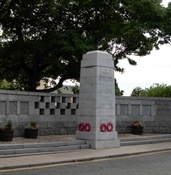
pixel 79 155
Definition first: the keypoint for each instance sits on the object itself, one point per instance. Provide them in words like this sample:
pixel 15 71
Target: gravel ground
pixel 56 138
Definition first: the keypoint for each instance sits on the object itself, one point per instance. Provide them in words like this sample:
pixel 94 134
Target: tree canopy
pixel 42 39
pixel 136 92
pixel 165 33
pixel 156 90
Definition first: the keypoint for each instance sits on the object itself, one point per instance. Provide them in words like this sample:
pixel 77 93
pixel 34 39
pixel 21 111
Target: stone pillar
pixel 96 114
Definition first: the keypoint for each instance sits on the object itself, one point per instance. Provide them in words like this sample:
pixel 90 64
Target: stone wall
pixel 153 113
pixel 56 113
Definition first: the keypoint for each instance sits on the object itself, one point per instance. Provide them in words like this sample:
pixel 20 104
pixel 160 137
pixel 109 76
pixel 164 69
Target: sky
pixel 153 68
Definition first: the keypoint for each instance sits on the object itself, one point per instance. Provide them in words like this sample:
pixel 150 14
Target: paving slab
pixel 80 155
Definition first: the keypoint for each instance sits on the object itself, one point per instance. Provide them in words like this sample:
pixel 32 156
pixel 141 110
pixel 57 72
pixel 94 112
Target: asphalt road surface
pixel 146 164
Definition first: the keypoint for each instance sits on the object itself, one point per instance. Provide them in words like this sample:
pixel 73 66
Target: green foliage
pixel 137 92
pixel 9 85
pixel 156 90
pixel 8 125
pixel 118 92
pixel 76 89
pixel 165 33
pixel 32 125
pixel 5 85
pixel 42 39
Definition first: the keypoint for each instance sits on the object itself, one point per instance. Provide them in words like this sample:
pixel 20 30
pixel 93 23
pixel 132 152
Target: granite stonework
pixel 54 113
pixel 153 113
pixel 97 100
pixel 57 113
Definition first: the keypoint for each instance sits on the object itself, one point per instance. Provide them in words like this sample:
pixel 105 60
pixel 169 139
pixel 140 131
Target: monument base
pixel 96 135
pixel 99 140
pixel 104 144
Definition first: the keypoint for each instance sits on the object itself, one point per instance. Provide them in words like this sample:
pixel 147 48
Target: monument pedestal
pixel 96 114
pixel 99 140
pixel 102 144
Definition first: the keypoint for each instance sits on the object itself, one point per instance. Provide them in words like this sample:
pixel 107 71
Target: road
pixel 147 164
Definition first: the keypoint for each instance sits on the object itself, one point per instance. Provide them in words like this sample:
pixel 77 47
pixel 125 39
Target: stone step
pixel 41 145
pixel 145 140
pixel 11 150
pixel 26 151
pixel 140 138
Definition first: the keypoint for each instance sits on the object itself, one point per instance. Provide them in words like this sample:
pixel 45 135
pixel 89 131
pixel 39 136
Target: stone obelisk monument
pixel 96 114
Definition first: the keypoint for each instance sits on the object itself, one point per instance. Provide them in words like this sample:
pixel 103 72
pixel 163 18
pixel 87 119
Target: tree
pixel 165 33
pixel 42 39
pixel 118 92
pixel 156 90
pixel 137 92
